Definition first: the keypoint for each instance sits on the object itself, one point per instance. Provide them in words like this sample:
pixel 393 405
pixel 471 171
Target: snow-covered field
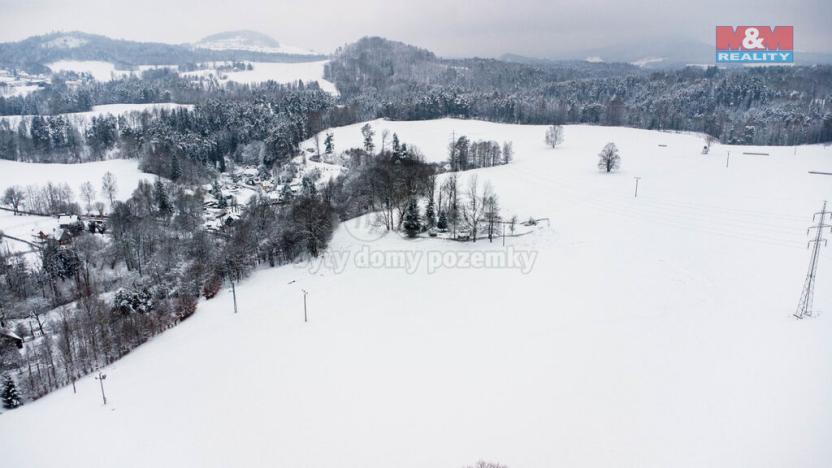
pixel 100 71
pixel 653 331
pixel 278 72
pixel 84 118
pixel 22 174
pixel 23 227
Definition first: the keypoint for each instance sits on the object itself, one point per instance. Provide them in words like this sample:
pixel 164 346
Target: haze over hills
pixel 34 52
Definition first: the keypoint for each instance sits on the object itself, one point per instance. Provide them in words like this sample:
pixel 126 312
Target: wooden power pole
pixel 305 316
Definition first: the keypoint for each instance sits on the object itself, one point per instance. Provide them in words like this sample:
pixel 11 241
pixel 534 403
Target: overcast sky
pixel 543 28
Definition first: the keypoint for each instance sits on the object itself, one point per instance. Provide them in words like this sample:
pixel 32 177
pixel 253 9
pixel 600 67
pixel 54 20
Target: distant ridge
pixel 33 53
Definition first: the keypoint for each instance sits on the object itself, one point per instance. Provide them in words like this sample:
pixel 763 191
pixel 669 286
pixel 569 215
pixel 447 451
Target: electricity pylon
pixel 804 308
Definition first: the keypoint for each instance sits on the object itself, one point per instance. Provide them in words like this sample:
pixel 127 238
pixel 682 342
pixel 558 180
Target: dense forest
pixel 766 105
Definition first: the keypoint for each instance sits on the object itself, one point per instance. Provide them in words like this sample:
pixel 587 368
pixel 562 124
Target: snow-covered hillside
pixel 653 331
pixel 250 41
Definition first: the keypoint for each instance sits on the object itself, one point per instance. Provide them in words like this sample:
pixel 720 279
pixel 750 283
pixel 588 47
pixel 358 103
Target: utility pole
pixel 727 159
pixel 637 179
pixel 100 378
pixel 804 307
pixel 234 295
pixel 305 317
pixel 504 233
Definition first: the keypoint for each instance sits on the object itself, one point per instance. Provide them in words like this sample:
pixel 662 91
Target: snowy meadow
pixel 649 330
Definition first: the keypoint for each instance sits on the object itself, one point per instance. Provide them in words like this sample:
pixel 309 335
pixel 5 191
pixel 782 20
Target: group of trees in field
pixel 468 207
pixel 384 181
pixel 406 194
pixel 464 154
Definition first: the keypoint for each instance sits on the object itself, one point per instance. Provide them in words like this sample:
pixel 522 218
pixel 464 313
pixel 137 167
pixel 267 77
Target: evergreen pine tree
pixel 411 219
pixel 216 191
pixel 308 187
pixel 175 168
pixel 286 194
pixel 368 133
pixel 329 143
pixel 162 200
pixel 396 146
pixel 443 220
pixel 10 396
pixel 430 214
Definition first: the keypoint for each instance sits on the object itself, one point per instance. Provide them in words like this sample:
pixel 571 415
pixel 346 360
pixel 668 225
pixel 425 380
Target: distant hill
pixel 382 64
pixel 32 54
pixel 659 53
pixel 251 41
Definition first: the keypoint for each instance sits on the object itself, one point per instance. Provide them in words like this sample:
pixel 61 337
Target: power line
pixel 804 307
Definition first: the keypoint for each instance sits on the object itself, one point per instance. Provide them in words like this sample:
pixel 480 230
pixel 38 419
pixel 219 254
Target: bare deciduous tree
pixel 608 159
pixel 14 196
pixel 554 135
pixel 473 210
pixel 88 194
pixel 109 187
pixel 491 211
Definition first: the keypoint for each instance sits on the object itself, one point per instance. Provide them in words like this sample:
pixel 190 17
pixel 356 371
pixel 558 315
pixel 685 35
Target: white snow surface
pixel 23 227
pixel 100 70
pixel 653 331
pixel 240 44
pixel 126 171
pixel 280 72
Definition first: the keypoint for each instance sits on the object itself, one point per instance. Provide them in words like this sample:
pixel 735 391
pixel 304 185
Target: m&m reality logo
pixel 754 44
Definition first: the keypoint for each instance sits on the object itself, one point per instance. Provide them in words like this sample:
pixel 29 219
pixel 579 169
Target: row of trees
pixel 464 154
pixel 54 199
